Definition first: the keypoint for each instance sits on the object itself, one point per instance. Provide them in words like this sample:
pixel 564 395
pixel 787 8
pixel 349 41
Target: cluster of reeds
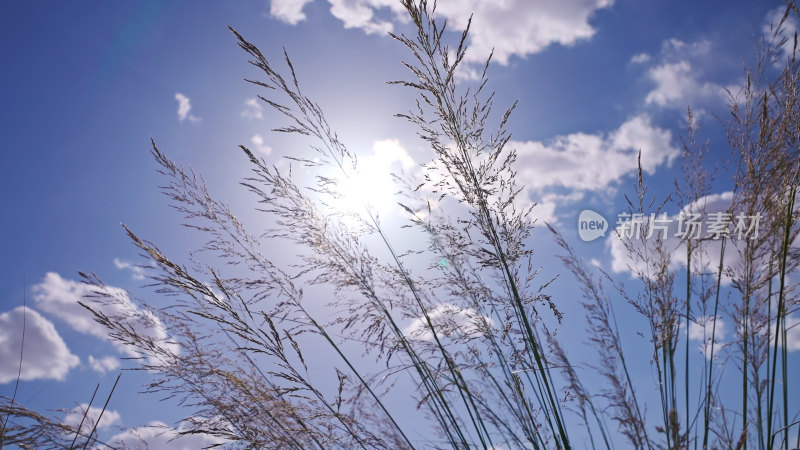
pixel 763 135
pixel 477 366
pixel 28 429
pixel 483 369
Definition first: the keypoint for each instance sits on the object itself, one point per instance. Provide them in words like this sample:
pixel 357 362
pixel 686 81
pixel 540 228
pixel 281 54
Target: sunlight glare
pixel 371 184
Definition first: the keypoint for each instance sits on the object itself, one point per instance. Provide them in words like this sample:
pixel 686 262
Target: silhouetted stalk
pixel 83 417
pixel 21 353
pixel 641 428
pixel 105 405
pixel 745 336
pixel 768 324
pixel 797 441
pixel 780 327
pixel 688 315
pixel 708 398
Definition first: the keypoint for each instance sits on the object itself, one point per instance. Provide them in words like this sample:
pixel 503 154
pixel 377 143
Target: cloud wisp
pixel 137 272
pixel 184 108
pixel 253 110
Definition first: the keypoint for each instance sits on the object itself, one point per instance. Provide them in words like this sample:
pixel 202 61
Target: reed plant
pixel 751 292
pixel 484 367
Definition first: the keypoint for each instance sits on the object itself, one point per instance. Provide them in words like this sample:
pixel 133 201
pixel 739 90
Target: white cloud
pixel 640 58
pixel 259 146
pixel 543 212
pixel 59 297
pixel 76 416
pixel 289 11
pixel 677 86
pixel 511 27
pixel 252 109
pixel 45 355
pixel 521 27
pixel 677 77
pixel 701 330
pixel 160 436
pixel 361 14
pixel 103 365
pixel 184 106
pixel 572 161
pixel 137 273
pixel 449 320
pixel 545 209
pixel 710 203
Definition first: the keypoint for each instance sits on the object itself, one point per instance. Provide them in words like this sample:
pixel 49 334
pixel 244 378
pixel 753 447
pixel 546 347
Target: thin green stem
pixel 688 315
pixel 780 326
pixel 707 425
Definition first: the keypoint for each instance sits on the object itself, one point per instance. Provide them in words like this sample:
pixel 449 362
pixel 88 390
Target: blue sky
pixel 86 86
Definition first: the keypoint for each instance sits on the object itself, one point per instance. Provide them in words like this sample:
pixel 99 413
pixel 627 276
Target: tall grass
pixel 481 377
pixel 484 368
pixel 762 133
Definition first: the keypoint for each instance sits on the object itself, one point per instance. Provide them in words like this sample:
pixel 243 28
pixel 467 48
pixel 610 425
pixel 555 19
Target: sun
pixel 371 186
